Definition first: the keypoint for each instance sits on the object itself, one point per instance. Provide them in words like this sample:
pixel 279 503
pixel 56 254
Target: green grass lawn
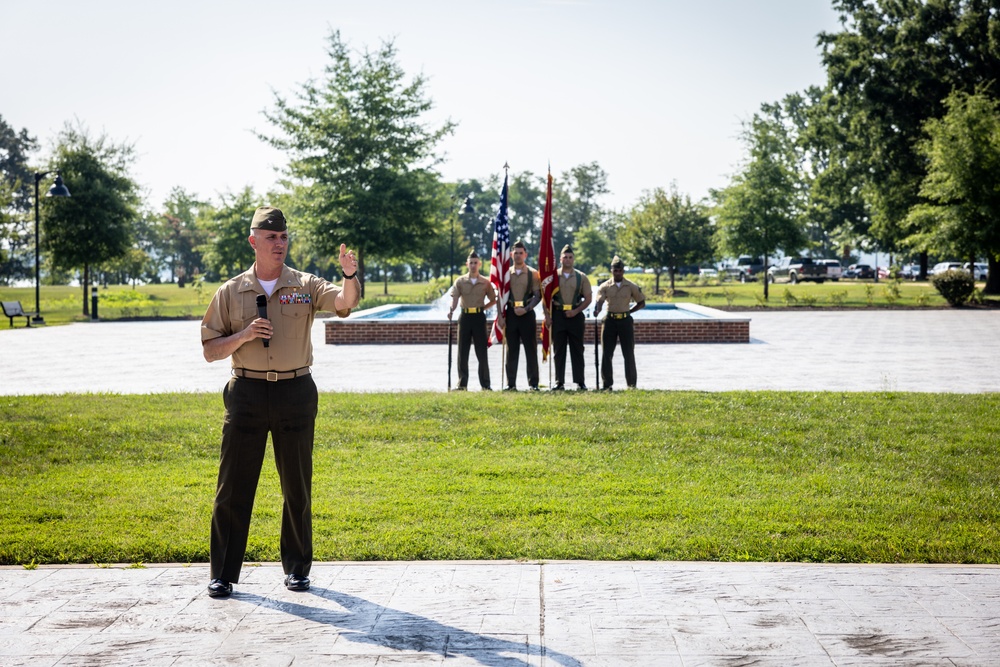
pixel 761 476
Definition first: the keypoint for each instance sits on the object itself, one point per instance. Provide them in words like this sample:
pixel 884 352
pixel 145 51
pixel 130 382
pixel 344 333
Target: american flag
pixel 500 264
pixel 547 264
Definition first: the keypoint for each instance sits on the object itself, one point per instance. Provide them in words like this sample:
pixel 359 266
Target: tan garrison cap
pixel 270 218
pixel 567 249
pixel 617 263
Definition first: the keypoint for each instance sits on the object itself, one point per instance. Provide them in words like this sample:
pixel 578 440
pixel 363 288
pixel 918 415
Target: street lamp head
pixel 58 189
pixel 467 207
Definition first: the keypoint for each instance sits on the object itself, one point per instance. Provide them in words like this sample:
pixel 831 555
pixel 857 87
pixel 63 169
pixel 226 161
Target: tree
pixel 16 183
pixel 182 239
pixel 962 213
pixel 226 252
pixel 361 161
pixel 758 213
pixel 576 201
pixel 665 231
pixel 889 71
pixel 93 226
pixel 593 249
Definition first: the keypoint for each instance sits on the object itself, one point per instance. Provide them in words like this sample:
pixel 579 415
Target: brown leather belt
pixel 271 376
pixel 618 316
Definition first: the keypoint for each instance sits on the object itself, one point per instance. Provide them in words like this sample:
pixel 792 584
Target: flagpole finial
pixel 506 166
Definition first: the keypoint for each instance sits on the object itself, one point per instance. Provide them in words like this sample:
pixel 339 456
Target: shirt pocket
pixel 241 317
pixel 295 320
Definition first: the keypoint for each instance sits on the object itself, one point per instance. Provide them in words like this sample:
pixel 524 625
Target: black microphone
pixel 262 312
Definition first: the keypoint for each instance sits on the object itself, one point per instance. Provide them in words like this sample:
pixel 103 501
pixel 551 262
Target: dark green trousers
pixel 568 332
pixel 472 329
pixel 522 332
pixel 287 410
pixel 614 332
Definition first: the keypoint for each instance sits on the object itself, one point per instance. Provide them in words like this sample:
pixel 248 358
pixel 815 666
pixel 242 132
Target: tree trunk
pixel 766 281
pixel 361 271
pixel 385 281
pixel 993 278
pixel 86 286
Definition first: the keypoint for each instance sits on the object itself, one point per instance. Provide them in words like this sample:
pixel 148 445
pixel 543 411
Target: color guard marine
pixel 476 294
pixel 567 319
pixel 620 295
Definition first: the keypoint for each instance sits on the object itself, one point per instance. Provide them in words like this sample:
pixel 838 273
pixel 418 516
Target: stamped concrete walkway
pixel 906 350
pixel 506 614
pixel 515 614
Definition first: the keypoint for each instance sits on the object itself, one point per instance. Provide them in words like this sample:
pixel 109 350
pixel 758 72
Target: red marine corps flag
pixel 500 264
pixel 547 265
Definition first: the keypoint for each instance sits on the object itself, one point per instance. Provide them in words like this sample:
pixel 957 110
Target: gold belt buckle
pixel 272 376
pixel 519 304
pixel 567 306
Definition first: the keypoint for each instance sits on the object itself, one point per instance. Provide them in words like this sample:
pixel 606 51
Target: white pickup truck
pixel 833 269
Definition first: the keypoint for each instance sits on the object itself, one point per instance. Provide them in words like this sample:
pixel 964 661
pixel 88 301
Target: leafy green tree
pixel 576 198
pixel 758 213
pixel 16 193
pixel 526 205
pixel 226 252
pixel 94 225
pixel 181 238
pixel 889 71
pixel 361 158
pixel 665 230
pixel 593 249
pixel 962 213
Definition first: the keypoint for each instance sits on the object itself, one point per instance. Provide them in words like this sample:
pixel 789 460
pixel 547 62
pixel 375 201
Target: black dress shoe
pixel 509 388
pixel 219 588
pixel 296 582
pixel 558 387
pixel 581 387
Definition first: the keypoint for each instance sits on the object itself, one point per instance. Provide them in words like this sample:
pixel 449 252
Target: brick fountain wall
pixel 368 332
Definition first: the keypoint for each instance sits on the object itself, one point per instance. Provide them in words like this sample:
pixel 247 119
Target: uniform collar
pixel 288 278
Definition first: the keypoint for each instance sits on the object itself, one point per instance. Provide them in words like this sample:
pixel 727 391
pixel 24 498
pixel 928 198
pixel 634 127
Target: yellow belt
pixel 472 311
pixel 618 316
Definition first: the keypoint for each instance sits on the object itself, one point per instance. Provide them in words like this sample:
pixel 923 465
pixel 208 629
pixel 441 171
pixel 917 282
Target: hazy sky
pixel 654 91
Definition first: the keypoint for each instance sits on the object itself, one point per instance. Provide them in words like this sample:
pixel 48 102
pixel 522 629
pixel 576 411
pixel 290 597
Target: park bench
pixel 13 309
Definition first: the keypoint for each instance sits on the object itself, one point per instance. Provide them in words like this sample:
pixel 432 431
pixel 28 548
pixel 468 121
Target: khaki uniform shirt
pixel 619 299
pixel 473 296
pixel 520 290
pixel 291 308
pixel 568 286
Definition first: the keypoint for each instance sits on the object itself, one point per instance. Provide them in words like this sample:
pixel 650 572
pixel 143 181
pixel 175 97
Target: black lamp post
pixel 467 207
pixel 57 190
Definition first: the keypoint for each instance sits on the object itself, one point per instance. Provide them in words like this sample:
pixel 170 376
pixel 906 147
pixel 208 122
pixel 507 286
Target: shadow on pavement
pixel 369 623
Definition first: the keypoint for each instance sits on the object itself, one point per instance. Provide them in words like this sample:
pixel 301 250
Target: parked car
pixel 746 268
pixel 708 273
pixel 833 269
pixel 859 272
pixel 910 272
pixel 941 267
pixel 980 270
pixel 883 272
pixel 796 269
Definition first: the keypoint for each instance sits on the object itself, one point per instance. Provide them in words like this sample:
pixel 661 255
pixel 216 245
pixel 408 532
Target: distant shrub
pixel 870 294
pixel 837 298
pixel 892 291
pixel 809 300
pixel 955 286
pixel 788 297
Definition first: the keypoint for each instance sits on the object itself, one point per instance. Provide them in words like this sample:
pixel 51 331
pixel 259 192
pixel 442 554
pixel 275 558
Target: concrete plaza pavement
pixel 852 350
pixel 514 614
pixel 506 614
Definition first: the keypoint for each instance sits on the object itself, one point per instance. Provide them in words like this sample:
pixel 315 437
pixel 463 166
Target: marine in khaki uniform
pixel 272 391
pixel 620 295
pixel 521 330
pixel 567 321
pixel 476 294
